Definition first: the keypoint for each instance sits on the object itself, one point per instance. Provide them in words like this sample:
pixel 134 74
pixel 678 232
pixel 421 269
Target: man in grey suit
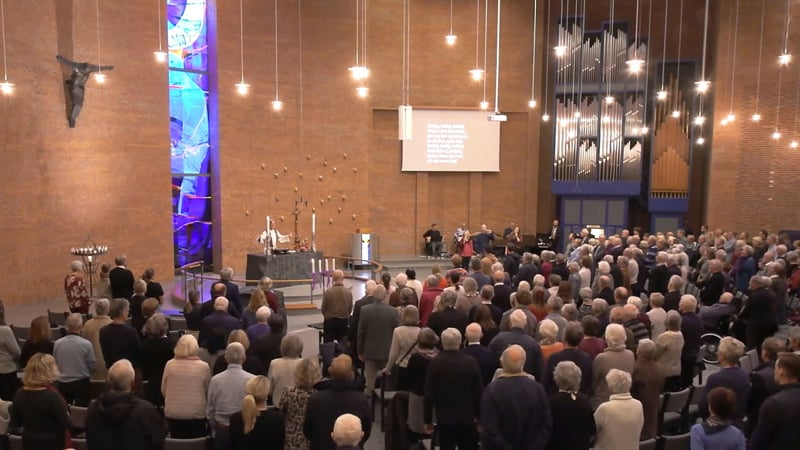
pixel 375 328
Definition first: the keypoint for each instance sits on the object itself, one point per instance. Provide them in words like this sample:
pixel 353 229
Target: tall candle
pixel 312 265
pixel 326 264
pixel 268 224
pixel 333 262
pixel 320 265
pixel 313 223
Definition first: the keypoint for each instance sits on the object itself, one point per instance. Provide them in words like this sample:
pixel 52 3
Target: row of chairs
pixel 678 410
pixel 77 417
pixel 15 443
pixel 678 442
pixel 750 361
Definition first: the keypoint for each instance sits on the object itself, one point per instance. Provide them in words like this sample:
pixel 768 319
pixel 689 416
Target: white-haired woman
pixel 257 426
pixel 648 384
pixel 669 346
pixel 184 386
pixel 282 370
pixel 585 306
pixel 603 268
pixel 548 332
pixel 469 296
pixel 620 419
pixel 615 356
pixel 75 289
pixel 573 420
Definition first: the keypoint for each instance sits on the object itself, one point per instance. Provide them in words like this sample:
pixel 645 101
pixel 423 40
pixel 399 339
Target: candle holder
pixel 90 254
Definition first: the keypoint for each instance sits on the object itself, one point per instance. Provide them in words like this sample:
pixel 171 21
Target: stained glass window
pixel 189 144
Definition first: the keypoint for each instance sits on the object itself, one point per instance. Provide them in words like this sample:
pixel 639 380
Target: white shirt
pixel 633 270
pixel 658 321
pixel 273 237
pixel 586 277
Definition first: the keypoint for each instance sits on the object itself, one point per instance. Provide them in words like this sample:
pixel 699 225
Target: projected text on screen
pixel 445 142
pixel 452 141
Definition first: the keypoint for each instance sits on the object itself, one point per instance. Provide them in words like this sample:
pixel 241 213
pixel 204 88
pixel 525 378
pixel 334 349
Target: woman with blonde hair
pixel 257 299
pixel 192 311
pixel 265 286
pixel 184 386
pixel 257 426
pixel 294 400
pixel 251 363
pixel 39 409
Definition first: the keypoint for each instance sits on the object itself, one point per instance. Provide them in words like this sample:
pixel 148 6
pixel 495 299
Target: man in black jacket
pixel 760 311
pixel 449 317
pixel 352 330
pixel 762 380
pixel 485 358
pixel 692 330
pixel 118 340
pixel 526 271
pixel 659 275
pixel 121 279
pixel 453 387
pixel 517 335
pixel 218 289
pixel 573 336
pixel 777 421
pixel 121 420
pixel 714 285
pixel 333 397
pixel 214 329
pixel 502 292
pixel 231 291
pixel 515 412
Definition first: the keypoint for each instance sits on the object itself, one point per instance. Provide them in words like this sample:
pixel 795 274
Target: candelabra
pixel 90 254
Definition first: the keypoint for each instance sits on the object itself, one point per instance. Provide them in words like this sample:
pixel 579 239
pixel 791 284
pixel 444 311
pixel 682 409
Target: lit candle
pixel 333 263
pixel 320 265
pixel 326 264
pixel 313 223
pixel 312 265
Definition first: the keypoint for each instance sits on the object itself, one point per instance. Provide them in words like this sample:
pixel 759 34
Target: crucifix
pixel 296 213
pixel 76 84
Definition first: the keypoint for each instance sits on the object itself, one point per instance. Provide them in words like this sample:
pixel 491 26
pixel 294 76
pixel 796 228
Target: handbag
pixel 397 363
pixel 397 373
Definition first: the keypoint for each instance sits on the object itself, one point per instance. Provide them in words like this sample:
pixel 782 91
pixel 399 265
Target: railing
pixel 190 277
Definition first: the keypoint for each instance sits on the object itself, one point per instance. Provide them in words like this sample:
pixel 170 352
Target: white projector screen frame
pixel 452 141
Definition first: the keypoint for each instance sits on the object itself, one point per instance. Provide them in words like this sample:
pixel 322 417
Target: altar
pixel 289 266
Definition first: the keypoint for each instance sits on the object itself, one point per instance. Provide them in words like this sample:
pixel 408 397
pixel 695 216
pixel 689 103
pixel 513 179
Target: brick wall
pixel 743 157
pixel 109 176
pixel 397 206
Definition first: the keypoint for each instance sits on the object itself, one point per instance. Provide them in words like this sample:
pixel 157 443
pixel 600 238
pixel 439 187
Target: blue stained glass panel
pixel 187 34
pixel 189 130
